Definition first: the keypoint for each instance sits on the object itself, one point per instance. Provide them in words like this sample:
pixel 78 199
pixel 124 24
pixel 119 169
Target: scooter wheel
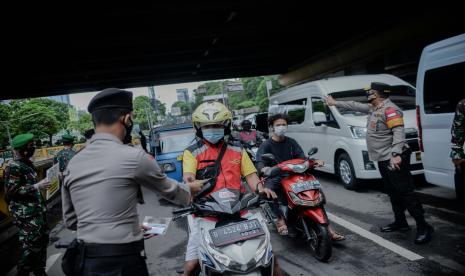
pixel 320 241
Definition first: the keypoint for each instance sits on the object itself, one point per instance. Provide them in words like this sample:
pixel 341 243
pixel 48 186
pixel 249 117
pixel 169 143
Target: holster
pixel 73 259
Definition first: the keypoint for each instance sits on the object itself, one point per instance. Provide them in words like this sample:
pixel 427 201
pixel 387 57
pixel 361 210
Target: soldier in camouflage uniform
pixel 64 155
pixel 386 144
pixel 27 206
pixel 457 154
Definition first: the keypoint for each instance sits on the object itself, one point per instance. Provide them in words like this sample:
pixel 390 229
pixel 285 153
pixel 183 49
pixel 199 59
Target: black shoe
pixel 291 231
pixel 424 234
pixel 395 227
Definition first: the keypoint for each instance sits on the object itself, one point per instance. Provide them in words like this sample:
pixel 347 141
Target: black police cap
pixel 111 98
pixel 380 87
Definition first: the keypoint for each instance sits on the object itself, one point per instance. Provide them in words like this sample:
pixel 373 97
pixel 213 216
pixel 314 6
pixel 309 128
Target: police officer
pixel 457 154
pixel 64 155
pixel 27 206
pixel 100 190
pixel 386 145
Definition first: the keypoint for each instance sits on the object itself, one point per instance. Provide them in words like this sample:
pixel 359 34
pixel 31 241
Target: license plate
pixel 305 186
pixel 240 231
pixel 418 155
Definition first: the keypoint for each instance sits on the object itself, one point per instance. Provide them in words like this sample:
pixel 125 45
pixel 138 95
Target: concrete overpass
pixel 61 49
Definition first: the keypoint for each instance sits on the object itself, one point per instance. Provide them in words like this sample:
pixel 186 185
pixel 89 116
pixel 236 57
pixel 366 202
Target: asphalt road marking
pixel 51 261
pixel 412 256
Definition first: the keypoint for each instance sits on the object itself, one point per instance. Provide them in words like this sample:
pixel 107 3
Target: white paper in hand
pixel 159 226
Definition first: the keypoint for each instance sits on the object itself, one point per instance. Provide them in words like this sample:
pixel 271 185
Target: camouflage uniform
pixel 63 157
pixel 458 132
pixel 27 206
pixel 458 138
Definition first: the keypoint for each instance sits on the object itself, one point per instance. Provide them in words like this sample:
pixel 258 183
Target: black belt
pixel 111 250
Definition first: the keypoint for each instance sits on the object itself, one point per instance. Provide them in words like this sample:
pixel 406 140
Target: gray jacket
pixel 99 194
pixel 382 139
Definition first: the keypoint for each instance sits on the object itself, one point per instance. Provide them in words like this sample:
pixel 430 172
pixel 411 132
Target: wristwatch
pixel 395 154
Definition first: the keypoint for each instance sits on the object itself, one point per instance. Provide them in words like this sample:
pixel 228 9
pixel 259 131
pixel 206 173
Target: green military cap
pixel 67 137
pixel 21 140
pixel 379 86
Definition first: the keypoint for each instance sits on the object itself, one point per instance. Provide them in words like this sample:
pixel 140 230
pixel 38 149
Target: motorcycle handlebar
pixel 62 244
pixel 182 210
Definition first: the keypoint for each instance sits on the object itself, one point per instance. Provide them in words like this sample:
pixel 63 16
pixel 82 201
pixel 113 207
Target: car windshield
pixel 175 140
pixel 401 95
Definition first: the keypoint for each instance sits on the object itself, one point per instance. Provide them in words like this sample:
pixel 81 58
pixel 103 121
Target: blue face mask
pixel 213 135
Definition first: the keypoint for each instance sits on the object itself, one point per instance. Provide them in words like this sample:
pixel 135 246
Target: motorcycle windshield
pixel 227 200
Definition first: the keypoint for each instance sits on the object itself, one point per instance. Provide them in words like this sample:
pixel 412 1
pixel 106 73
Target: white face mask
pixel 280 130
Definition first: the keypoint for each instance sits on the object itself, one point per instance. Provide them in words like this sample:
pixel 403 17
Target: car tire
pixel 346 173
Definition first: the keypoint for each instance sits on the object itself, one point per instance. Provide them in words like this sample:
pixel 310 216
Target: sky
pixel 163 93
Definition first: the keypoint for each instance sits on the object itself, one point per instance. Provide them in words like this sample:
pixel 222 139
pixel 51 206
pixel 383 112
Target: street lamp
pixel 6 123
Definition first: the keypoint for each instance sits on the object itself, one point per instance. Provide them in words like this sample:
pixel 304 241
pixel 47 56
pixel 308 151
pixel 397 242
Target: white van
pixel 340 134
pixel 440 84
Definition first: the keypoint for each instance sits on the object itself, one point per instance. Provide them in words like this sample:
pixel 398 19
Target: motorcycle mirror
pixel 269 158
pixel 312 151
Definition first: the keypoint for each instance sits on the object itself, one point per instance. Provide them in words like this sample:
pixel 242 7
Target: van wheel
pixel 346 173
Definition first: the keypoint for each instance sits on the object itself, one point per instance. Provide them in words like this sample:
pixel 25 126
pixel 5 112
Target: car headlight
pixel 168 167
pixel 358 132
pixel 298 168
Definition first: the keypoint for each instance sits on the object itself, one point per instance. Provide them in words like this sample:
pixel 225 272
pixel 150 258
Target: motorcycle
pixel 234 236
pixel 251 147
pixel 305 199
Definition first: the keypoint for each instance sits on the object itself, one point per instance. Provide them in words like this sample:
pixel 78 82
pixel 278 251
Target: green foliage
pixel 38 117
pixel 185 107
pixel 83 123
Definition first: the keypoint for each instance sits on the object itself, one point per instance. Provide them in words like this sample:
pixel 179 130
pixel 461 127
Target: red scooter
pixel 305 199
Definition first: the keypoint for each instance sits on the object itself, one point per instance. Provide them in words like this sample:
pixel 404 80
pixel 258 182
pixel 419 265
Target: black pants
pixel 399 185
pixel 460 182
pixel 274 184
pixel 98 264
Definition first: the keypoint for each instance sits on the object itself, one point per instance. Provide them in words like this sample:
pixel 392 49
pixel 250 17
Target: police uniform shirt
pixel 99 193
pixel 385 128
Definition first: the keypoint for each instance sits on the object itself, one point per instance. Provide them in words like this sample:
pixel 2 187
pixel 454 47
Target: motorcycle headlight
pixel 358 132
pixel 298 168
pixel 218 256
pixel 298 201
pixel 168 167
pixel 261 250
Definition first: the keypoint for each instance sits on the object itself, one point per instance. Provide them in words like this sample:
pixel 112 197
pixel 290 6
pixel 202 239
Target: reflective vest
pixel 230 170
pixel 248 136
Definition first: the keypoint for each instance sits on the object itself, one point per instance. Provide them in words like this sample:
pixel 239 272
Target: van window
pixel 294 109
pixel 443 88
pixel 401 95
pixel 319 105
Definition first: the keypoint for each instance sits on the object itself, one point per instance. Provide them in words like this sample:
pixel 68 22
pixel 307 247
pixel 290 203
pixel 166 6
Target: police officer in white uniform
pixel 100 190
pixel 386 145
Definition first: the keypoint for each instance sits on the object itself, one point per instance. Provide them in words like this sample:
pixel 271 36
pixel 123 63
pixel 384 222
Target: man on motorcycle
pixel 212 123
pixel 283 148
pixel 248 134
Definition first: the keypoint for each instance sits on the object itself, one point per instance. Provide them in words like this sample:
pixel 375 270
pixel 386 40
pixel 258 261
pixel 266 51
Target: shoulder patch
pixel 393 117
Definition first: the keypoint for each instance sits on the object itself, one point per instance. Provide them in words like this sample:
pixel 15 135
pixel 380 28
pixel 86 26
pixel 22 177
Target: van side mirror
pixel 319 118
pixel 312 151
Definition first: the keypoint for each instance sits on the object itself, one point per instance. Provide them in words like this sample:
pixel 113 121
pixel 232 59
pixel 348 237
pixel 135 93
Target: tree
pixel 43 125
pixel 83 123
pixel 143 110
pixel 185 108
pixel 5 116
pixel 59 110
